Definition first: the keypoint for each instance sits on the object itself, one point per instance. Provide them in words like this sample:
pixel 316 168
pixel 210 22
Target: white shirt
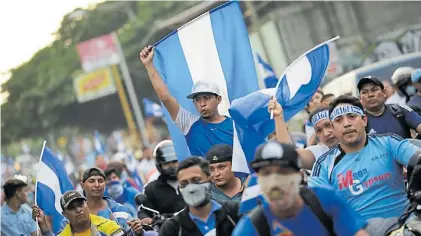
pixel 396 99
pixel 317 150
pixel 145 166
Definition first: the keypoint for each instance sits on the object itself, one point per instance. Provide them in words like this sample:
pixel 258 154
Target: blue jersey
pixel 128 199
pixel 345 220
pixel 371 179
pixel 201 135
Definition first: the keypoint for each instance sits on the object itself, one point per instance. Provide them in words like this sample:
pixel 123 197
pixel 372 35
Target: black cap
pixel 219 153
pixel 369 80
pixel 69 196
pixel 94 171
pixel 276 153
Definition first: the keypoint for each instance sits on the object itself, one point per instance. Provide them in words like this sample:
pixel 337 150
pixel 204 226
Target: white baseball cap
pixel 204 87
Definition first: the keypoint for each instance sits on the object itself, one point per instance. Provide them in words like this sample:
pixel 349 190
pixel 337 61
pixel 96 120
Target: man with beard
pixel 203 215
pixel 290 210
pixel 366 170
pixel 323 128
pixel 163 195
pixel 201 132
pixel 392 118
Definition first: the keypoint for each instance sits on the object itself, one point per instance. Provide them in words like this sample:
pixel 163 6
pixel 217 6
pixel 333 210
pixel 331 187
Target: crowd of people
pixel 360 173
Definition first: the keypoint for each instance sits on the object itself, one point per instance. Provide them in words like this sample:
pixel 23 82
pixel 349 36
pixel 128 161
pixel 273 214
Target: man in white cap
pixel 201 132
pixel 401 78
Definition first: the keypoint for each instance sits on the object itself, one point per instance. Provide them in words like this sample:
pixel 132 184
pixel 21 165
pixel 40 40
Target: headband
pixel 321 115
pixel 342 110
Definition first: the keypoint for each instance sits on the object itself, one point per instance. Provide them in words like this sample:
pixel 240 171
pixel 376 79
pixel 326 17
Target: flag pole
pixel 282 76
pixel 36 182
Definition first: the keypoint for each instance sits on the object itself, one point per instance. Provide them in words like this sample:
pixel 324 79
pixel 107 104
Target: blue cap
pixel 416 76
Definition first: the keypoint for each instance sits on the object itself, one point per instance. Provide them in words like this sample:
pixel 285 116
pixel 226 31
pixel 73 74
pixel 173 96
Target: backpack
pixel 260 222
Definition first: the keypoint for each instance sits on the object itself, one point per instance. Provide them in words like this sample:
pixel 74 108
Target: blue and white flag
pixel 213 47
pixel 300 81
pixel 266 73
pixel 251 195
pixel 152 109
pixel 52 182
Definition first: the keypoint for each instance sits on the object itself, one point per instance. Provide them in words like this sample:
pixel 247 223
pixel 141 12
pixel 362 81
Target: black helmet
pixel 164 152
pixel 276 153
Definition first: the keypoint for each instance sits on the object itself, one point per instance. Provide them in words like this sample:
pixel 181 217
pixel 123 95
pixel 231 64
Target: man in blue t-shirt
pixel 365 169
pixel 120 192
pixel 384 118
pixel 201 132
pixel 288 209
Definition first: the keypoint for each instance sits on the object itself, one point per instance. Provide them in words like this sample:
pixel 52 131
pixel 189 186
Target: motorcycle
pixel 158 218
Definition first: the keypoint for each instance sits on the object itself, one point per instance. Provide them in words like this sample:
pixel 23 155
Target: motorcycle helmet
pixel 163 153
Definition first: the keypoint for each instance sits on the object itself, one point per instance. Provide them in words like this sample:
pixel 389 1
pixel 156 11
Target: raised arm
pixel 282 134
pixel 146 57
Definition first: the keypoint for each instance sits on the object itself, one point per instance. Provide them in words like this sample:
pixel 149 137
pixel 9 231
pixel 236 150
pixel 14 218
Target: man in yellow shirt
pixel 81 222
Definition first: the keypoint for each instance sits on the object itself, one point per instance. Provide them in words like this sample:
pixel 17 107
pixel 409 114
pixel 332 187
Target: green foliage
pixel 41 96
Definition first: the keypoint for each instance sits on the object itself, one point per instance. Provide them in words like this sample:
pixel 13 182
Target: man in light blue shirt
pixel 15 220
pixel 366 170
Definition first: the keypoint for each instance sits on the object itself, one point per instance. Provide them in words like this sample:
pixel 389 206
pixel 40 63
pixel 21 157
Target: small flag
pixel 251 195
pixel 98 144
pixel 52 182
pixel 152 109
pixel 266 73
pixel 300 81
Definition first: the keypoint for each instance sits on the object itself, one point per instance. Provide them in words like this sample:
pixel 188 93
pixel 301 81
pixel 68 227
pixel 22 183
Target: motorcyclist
pixel 163 195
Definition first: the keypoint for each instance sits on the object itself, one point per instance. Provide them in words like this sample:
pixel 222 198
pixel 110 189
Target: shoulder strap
pixel 259 221
pixel 398 113
pixel 311 200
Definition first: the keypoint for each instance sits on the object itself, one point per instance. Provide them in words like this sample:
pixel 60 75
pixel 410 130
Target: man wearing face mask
pixel 163 195
pixel 202 216
pixel 120 192
pixel 286 206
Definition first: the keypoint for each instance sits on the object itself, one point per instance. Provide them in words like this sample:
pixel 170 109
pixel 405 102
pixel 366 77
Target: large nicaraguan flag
pixel 213 47
pixel 52 182
pixel 296 87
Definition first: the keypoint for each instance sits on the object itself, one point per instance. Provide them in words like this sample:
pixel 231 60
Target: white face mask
pixel 115 189
pixel 280 189
pixel 196 194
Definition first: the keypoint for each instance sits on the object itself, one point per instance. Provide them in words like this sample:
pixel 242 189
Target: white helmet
pixel 402 73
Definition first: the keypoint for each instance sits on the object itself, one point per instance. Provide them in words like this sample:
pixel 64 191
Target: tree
pixel 41 97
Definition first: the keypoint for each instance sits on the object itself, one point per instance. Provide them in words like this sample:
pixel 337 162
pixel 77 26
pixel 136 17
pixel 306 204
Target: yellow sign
pixel 93 85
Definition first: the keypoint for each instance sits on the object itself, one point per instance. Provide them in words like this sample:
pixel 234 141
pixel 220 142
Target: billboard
pixel 93 85
pixel 98 52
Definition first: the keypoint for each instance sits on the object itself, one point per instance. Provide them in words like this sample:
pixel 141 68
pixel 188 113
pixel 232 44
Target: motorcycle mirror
pixel 141 199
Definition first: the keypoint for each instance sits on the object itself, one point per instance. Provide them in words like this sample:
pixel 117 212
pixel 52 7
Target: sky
pixel 28 25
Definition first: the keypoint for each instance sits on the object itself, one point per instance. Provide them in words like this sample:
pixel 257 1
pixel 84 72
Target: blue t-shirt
pixel 19 223
pixel 371 179
pixel 388 123
pixel 345 220
pixel 415 101
pixel 201 135
pixel 128 199
pixel 207 227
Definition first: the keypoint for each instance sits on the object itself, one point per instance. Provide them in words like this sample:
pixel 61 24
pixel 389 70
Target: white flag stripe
pixel 297 75
pixel 250 193
pixel 199 48
pixel 47 177
pixel 238 155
